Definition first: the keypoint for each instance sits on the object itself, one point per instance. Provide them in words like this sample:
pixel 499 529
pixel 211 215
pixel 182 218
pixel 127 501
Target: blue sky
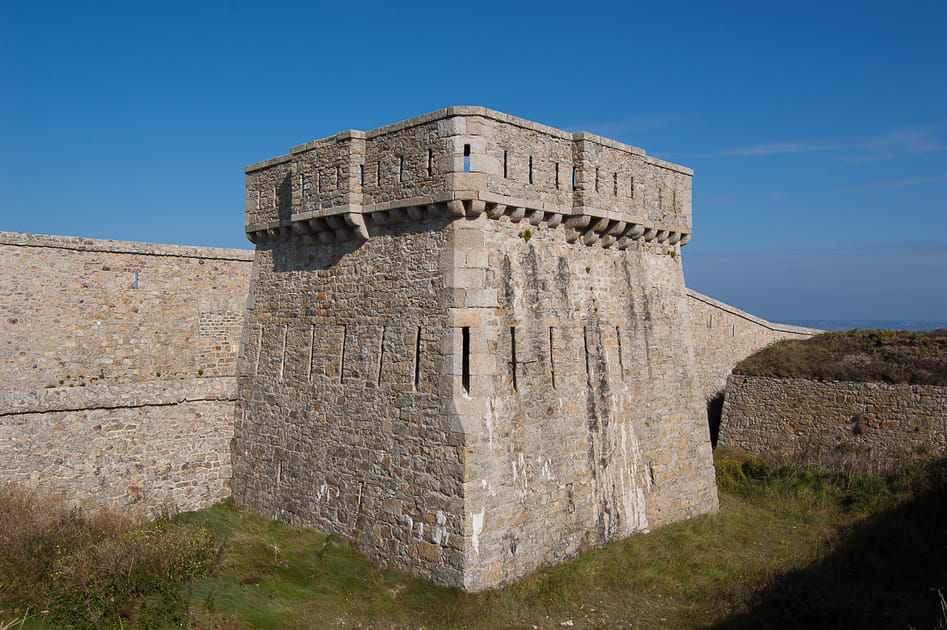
pixel 817 130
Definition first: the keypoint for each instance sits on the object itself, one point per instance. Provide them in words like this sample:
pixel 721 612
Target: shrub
pixel 886 356
pixel 96 568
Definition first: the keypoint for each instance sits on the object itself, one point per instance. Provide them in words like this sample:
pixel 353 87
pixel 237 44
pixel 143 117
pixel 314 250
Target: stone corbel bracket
pixel 585 225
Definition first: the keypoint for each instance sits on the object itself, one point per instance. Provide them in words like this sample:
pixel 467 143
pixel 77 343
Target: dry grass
pixel 884 356
pixel 94 568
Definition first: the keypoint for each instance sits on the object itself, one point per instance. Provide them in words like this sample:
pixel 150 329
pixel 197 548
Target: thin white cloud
pixel 911 140
pixel 781 147
pixel 914 181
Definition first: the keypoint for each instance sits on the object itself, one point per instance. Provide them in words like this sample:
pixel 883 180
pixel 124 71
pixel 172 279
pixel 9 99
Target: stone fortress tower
pixel 468 345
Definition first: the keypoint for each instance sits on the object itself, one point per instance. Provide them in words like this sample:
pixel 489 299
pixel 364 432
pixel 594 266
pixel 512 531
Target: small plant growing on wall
pixel 526 235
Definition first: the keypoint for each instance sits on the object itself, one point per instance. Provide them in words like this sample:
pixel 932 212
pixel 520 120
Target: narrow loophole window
pixel 361 174
pixel 552 359
pixel 588 369
pixel 615 184
pixel 345 334
pixel 596 180
pixel 575 178
pixel 381 355
pixel 513 356
pixel 430 163
pixel 466 158
pixel 506 164
pixel 631 187
pixel 312 340
pixel 465 358
pixel 402 175
pixel 417 360
pixel 531 169
pixel 557 175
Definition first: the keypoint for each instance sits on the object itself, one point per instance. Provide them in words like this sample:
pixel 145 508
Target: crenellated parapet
pixel 464 162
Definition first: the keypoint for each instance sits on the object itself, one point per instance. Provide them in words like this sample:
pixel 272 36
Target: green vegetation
pixel 102 569
pixel 791 547
pixel 884 356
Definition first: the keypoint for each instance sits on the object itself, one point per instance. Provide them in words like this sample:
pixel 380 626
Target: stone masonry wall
pixel 725 335
pixel 342 420
pixel 73 310
pixel 156 442
pixel 581 418
pixel 118 363
pixel 828 420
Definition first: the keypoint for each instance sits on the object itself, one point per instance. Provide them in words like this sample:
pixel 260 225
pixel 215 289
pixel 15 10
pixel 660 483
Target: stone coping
pixel 22 239
pixel 118 395
pixel 471 110
pixel 739 380
pixel 786 328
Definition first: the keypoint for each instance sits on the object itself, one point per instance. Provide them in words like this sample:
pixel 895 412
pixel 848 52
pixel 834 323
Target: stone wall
pixel 826 421
pixel 725 335
pixel 467 364
pixel 156 442
pixel 582 423
pixel 118 363
pixel 341 422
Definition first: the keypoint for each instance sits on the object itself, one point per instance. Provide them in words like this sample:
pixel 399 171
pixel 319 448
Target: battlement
pixel 468 161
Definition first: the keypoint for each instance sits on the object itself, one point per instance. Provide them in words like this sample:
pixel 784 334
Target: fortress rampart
pixel 725 335
pixel 832 422
pixel 118 363
pixel 465 344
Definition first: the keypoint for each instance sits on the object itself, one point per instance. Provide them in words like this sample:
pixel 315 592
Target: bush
pixel 96 569
pixel 885 356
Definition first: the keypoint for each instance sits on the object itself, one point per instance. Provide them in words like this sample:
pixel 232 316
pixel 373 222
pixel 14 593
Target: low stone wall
pixel 725 335
pixel 817 420
pixel 158 442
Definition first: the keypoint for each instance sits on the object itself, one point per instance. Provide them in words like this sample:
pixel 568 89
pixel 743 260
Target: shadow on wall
pixel 294 255
pixel 886 573
pixel 714 413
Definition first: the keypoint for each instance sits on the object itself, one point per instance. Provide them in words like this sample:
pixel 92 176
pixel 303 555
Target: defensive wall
pixel 118 363
pixel 831 422
pixel 467 346
pixel 725 335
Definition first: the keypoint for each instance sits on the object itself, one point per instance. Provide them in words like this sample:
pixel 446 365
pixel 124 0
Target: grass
pixel 790 547
pixel 884 356
pixel 78 568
